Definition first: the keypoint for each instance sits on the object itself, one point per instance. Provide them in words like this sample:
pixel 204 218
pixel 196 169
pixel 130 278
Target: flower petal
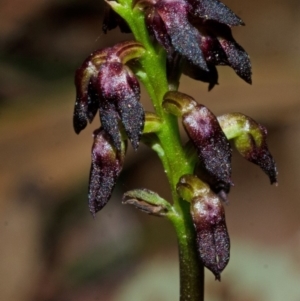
pixel 110 122
pixel 106 166
pixel 157 29
pixel 215 10
pixel 183 35
pixel 212 237
pixel 119 89
pixel 238 59
pixel 86 99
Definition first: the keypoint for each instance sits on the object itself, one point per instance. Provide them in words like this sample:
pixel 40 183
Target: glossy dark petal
pixel 220 48
pixel 212 237
pixel 215 10
pixel 212 146
pixel 238 59
pixel 210 77
pixel 157 29
pixel 118 87
pixel 131 111
pixel 110 122
pixel 133 117
pixel 106 166
pixel 183 35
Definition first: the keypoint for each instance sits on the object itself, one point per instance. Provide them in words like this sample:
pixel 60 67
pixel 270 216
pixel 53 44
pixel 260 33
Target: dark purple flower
pixel 212 237
pixel 168 22
pixel 107 163
pixel 104 82
pixel 119 94
pixel 199 30
pixel 219 48
pixel 212 146
pixel 202 126
pixel 208 217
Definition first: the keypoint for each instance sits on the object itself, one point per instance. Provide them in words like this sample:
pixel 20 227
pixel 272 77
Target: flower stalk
pixel 171 37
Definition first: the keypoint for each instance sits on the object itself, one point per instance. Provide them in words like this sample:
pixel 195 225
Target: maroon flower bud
pixel 202 127
pixel 119 91
pixel 104 82
pixel 107 163
pixel 168 21
pixel 250 139
pixel 199 30
pixel 212 237
pixel 209 221
pixel 212 146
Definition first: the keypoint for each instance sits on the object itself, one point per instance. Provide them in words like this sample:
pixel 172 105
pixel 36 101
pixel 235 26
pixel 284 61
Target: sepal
pixel 203 129
pixel 208 217
pixel 107 163
pixel 85 97
pixel 118 87
pixel 215 10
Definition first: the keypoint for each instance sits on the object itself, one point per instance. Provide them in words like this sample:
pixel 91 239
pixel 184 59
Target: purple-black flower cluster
pixel 200 32
pixel 210 136
pixel 197 37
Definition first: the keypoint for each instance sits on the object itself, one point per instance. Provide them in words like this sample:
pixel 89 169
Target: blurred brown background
pixel 52 249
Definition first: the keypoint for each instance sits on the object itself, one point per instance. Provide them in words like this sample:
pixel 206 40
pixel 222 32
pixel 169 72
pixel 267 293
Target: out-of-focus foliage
pixel 51 249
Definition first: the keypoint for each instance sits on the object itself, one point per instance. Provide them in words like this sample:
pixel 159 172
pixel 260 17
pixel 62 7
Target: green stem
pixel 174 159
